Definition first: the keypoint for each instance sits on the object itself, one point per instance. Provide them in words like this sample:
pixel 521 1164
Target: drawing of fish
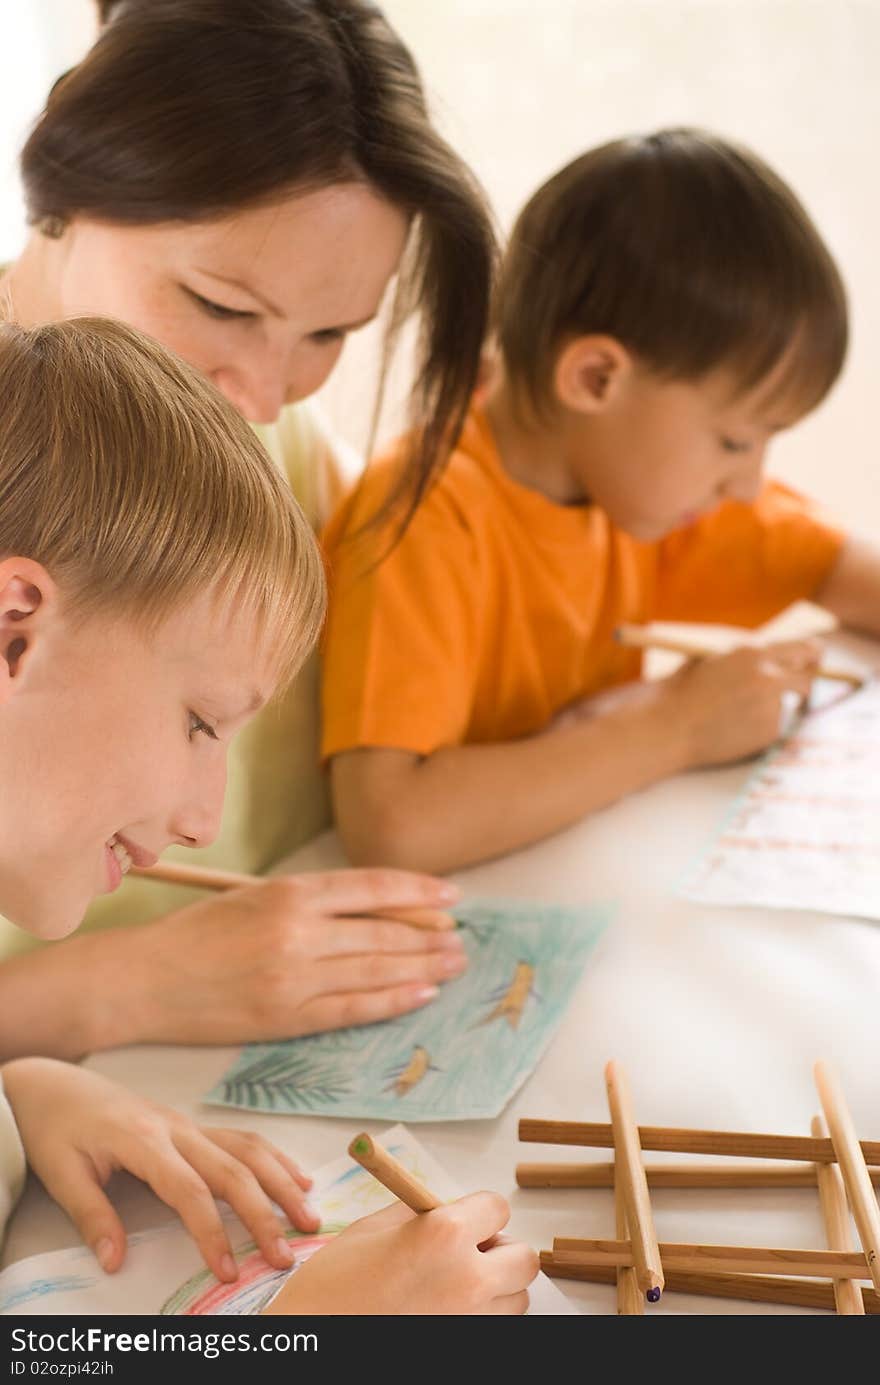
pixel 512 999
pixel 412 1072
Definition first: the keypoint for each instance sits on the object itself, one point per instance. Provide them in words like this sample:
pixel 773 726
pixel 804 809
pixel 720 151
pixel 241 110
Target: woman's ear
pixel 589 372
pixel 27 597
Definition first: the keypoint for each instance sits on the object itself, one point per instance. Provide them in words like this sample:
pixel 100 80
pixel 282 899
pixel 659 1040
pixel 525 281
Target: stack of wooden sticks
pixel 833 1160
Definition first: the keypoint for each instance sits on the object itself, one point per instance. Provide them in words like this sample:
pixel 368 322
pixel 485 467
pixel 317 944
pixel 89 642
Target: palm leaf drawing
pixel 289 1081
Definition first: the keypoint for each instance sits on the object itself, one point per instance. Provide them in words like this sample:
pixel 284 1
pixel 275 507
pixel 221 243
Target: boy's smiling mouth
pixel 123 854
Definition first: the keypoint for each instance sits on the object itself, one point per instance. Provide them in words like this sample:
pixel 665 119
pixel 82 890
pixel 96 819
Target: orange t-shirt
pixel 497 607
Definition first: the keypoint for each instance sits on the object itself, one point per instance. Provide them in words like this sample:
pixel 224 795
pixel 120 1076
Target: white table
pixel 717 1016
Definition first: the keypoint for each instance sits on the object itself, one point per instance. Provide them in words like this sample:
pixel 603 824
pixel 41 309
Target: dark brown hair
pixel 187 109
pixel 686 248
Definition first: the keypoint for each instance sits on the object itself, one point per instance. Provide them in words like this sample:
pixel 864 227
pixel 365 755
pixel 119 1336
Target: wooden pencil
pixel 754 1288
pixel 389 1171
pixel 630 1303
pixel 630 1173
pixel 835 1214
pixel 601 1175
pixel 599 1135
pixel 641 637
pixel 711 1259
pixel 852 1166
pixel 208 878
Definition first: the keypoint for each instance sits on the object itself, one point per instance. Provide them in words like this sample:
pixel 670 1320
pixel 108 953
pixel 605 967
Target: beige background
pixel 521 87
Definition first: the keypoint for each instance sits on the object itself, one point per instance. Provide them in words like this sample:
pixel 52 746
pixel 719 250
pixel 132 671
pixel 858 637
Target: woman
pixel 242 182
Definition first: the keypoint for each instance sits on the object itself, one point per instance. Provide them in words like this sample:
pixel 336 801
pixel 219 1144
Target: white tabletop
pixel 716 1015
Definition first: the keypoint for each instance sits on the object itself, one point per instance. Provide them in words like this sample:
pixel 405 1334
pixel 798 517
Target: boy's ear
pixel 589 372
pixel 27 597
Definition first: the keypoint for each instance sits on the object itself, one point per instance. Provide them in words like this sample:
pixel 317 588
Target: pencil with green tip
pixel 389 1171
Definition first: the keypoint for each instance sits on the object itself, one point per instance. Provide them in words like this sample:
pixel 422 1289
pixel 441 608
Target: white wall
pixel 520 86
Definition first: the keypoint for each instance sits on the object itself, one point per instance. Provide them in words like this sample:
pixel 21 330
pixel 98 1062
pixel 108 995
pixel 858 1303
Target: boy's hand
pixel 396 1262
pixel 78 1129
pixel 731 706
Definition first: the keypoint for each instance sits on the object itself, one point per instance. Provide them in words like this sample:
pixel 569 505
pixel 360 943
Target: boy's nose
pixel 197 822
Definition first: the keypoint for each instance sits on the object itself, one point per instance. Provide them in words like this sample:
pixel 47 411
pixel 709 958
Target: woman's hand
pixel 291 955
pixel 78 1129
pixel 449 1261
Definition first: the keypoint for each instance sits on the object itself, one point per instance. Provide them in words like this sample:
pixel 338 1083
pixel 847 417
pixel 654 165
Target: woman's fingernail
pixel 448 942
pixel 452 965
pixel 448 892
pixel 228 1268
pixel 284 1250
pixel 104 1252
pixel 425 993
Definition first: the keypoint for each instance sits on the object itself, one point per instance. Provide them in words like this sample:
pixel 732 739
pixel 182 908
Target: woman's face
pixel 261 300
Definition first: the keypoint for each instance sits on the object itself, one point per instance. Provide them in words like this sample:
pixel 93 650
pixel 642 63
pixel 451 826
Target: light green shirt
pixel 277 796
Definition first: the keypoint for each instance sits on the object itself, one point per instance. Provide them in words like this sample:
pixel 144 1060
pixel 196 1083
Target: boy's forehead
pixel 220 639
pixel 773 403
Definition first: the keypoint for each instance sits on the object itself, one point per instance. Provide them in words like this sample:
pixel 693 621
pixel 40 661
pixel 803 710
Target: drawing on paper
pixel 511 1000
pixel 205 1296
pixel 411 1074
pixel 805 832
pixel 460 1058
pixel 68 1281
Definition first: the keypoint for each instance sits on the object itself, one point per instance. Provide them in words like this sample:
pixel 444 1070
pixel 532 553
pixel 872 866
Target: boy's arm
pixel 462 804
pixel 851 591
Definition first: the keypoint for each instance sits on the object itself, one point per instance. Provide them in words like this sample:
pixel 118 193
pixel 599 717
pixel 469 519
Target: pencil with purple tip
pixel 634 1185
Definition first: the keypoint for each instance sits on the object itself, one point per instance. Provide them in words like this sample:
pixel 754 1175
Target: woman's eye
pixel 196 726
pixel 328 334
pixel 731 445
pixel 217 310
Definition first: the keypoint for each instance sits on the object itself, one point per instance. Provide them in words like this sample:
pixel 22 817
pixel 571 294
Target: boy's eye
pixel 217 310
pixel 732 445
pixel 196 725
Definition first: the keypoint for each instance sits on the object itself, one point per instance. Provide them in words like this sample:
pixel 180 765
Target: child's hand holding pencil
pixel 418 1256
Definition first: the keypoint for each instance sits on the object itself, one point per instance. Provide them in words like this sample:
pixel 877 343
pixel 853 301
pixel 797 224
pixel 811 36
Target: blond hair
pixel 137 486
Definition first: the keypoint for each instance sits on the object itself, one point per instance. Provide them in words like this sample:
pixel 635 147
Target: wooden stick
pixel 630 1174
pixel 852 1166
pixel 388 1170
pixel 640 637
pixel 835 1214
pixel 754 1288
pixel 630 1303
pixel 708 1259
pixel 601 1175
pixel 205 878
pixel 600 1136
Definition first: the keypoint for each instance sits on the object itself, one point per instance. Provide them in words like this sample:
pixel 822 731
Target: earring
pixel 52 226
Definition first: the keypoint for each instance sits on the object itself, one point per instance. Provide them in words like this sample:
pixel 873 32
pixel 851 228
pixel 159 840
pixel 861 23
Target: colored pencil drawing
pixel 69 1281
pixel 410 1075
pixel 205 1296
pixel 805 832
pixel 460 1058
pixel 511 1000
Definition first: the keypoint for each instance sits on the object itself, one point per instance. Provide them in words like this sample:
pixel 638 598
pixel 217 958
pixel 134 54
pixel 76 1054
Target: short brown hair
pixel 188 109
pixel 136 485
pixel 686 248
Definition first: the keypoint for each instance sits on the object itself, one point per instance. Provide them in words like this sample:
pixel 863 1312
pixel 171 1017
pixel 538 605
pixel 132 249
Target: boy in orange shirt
pixel 664 308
